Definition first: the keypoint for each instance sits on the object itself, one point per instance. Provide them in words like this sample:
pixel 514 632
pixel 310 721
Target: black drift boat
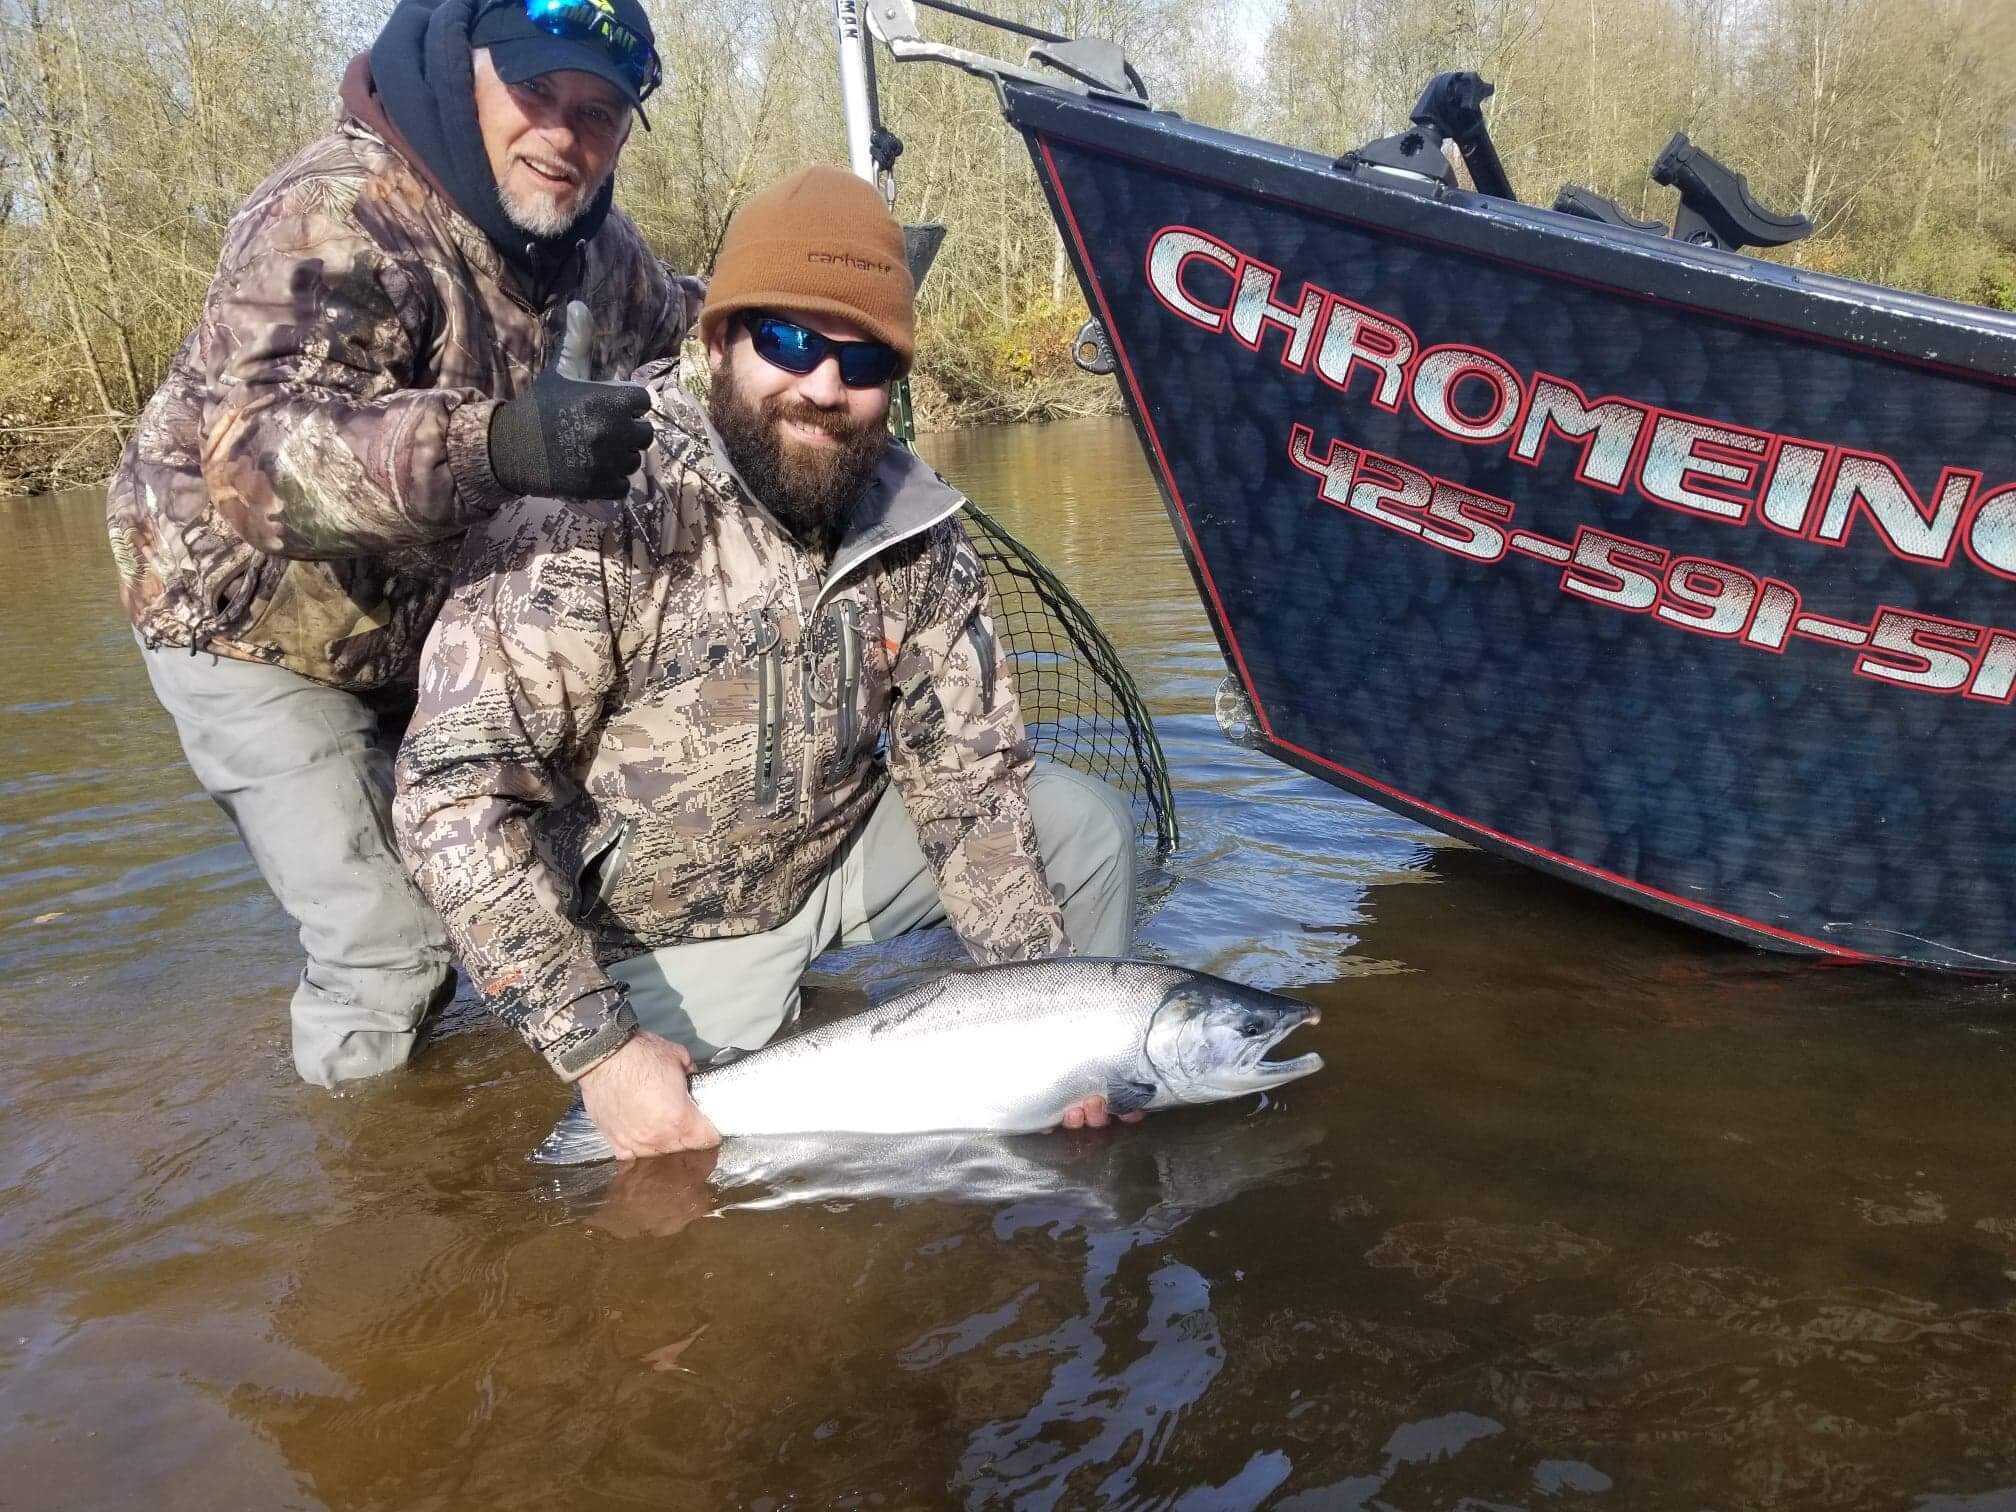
pixel 1682 574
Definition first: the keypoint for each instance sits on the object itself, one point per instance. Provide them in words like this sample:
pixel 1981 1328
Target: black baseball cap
pixel 611 39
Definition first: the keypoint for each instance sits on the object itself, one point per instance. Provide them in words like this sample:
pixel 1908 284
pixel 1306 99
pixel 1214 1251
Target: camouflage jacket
pixel 660 720
pixel 293 492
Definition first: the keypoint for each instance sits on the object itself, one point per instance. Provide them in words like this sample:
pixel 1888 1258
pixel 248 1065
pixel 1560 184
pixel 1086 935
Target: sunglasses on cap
pixel 595 22
pixel 790 346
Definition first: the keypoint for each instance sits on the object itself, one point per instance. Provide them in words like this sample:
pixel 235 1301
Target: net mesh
pixel 1079 704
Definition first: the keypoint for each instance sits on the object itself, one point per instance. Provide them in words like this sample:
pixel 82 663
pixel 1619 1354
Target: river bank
pixel 1017 377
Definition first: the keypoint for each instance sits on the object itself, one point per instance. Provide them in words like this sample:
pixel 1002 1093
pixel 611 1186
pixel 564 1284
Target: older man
pixel 364 384
pixel 668 751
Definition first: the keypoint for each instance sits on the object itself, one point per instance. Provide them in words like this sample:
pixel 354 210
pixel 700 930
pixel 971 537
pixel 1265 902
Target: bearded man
pixel 366 382
pixel 668 751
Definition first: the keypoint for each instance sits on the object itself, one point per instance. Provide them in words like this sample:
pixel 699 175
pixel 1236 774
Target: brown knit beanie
pixel 820 242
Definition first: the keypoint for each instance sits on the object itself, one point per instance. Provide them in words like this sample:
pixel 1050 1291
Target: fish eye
pixel 1252 1026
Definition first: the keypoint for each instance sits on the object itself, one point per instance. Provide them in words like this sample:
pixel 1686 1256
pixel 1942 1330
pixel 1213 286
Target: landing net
pixel 1079 704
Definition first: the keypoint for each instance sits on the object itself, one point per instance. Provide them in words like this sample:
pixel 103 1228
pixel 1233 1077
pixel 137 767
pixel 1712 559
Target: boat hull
pixel 1683 575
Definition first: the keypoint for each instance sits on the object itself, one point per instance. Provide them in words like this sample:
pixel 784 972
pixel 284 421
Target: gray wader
pixel 712 994
pixel 304 772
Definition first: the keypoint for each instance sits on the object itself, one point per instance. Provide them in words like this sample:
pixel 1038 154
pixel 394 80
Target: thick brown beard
pixel 811 492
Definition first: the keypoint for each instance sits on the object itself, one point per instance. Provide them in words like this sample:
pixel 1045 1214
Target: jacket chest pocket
pixel 718 696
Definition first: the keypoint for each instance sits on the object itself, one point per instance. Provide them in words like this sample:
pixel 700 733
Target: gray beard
pixel 541 217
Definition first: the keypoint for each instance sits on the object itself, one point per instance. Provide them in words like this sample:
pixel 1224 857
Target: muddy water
pixel 1587 1208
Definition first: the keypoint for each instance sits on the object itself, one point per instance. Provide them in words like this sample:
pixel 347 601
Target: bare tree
pixel 1891 122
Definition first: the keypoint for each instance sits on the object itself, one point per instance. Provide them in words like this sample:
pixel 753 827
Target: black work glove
pixel 568 437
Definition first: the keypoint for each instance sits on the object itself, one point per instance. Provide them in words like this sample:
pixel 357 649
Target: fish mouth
pixel 1259 1073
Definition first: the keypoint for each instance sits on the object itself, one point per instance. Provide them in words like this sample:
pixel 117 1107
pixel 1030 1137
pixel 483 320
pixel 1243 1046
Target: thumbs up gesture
pixel 566 436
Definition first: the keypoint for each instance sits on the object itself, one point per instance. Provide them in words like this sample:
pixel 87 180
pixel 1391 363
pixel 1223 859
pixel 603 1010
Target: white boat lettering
pixel 1704 466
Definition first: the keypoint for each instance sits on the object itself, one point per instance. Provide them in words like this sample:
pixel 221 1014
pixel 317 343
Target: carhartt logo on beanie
pixel 820 242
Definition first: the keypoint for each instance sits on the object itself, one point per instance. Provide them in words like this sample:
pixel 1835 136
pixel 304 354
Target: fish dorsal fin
pixel 900 1011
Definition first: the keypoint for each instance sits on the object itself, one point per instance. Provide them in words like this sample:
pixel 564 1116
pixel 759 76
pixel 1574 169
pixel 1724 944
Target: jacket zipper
pixel 981 635
pixel 769 710
pixel 222 619
pixel 849 614
pixel 607 859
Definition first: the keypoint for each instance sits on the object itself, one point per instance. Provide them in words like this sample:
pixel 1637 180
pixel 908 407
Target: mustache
pixel 835 423
pixel 552 168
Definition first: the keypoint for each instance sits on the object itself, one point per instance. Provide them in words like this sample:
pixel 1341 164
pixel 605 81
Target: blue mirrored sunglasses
pixel 785 344
pixel 586 21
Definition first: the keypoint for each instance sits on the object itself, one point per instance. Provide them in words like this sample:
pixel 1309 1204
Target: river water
pixel 1586 1207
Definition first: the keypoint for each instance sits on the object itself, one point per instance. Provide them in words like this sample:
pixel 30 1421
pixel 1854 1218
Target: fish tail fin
pixel 574 1141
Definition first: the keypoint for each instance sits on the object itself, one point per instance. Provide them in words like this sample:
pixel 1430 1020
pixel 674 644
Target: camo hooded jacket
pixel 293 492
pixel 659 721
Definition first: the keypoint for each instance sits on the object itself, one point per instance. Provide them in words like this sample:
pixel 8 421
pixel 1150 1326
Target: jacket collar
pixel 904 499
pixel 361 103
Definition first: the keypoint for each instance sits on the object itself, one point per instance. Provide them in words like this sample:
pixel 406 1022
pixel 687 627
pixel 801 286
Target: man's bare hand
pixel 639 1101
pixel 1092 1114
pixel 658 1197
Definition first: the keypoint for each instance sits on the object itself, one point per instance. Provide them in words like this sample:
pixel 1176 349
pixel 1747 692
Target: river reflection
pixel 1586 1207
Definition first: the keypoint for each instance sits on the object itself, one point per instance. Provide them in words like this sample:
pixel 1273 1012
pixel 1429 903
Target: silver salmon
pixel 1005 1050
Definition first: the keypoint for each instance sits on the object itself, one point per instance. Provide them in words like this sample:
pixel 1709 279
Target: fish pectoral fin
pixel 1128 1096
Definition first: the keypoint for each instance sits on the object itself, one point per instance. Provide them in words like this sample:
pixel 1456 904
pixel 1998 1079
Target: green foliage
pixel 1998 283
